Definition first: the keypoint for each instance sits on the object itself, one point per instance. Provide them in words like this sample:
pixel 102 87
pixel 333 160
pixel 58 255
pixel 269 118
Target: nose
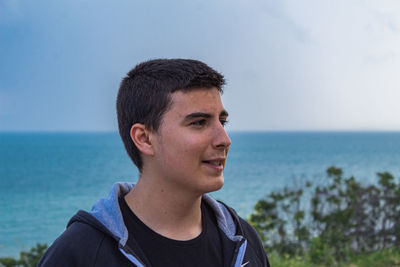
pixel 221 138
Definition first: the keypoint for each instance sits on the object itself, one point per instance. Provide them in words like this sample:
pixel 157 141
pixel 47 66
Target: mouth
pixel 217 164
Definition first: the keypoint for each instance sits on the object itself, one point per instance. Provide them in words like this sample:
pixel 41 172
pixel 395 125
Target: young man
pixel 171 120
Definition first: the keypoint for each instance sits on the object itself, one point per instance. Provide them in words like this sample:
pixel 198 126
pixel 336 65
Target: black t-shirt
pixel 204 250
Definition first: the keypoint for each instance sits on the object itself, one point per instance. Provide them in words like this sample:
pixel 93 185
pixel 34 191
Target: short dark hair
pixel 144 94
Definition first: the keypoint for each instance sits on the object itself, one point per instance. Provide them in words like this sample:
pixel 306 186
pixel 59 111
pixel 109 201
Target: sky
pixel 290 65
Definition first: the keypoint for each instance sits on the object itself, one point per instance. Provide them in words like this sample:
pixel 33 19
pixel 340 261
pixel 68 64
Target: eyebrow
pixel 196 115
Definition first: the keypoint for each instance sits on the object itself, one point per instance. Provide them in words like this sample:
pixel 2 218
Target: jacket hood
pixel 106 215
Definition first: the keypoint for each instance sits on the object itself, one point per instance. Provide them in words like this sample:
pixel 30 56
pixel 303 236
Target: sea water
pixel 46 177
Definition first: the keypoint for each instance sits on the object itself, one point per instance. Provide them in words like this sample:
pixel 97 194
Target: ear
pixel 140 135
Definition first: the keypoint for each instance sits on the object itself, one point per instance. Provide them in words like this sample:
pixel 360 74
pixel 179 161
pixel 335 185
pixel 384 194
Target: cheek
pixel 186 150
pixel 195 145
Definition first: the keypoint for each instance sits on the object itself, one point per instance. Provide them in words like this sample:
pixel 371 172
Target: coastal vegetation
pixel 341 223
pixel 26 258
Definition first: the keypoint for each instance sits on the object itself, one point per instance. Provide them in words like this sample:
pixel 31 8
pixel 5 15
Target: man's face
pixel 191 143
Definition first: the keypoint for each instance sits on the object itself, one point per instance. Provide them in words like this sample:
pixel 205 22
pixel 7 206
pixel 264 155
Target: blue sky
pixel 290 65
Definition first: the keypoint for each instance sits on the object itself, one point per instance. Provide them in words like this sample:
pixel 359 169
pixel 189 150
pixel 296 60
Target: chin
pixel 216 185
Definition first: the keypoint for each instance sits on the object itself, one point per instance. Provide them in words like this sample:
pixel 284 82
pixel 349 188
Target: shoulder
pixel 254 244
pixel 251 235
pixel 77 246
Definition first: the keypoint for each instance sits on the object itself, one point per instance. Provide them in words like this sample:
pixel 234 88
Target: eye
pixel 198 123
pixel 223 122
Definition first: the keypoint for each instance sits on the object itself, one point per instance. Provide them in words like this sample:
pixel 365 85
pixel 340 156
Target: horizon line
pixel 229 131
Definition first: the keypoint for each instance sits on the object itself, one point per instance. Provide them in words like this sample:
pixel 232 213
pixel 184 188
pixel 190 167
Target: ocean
pixel 46 177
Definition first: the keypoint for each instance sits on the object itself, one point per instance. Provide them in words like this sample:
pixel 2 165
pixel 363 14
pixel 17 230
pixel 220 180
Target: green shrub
pixel 332 223
pixel 26 258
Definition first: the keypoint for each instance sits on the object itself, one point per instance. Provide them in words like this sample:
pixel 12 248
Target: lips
pixel 213 162
pixel 217 164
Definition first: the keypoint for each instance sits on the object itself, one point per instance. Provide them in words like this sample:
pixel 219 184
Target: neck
pixel 165 210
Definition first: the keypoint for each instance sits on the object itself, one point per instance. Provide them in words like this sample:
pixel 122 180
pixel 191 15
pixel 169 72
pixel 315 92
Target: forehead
pixel 196 100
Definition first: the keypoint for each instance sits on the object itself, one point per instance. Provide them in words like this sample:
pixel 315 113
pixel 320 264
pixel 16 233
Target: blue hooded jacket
pixel 99 237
